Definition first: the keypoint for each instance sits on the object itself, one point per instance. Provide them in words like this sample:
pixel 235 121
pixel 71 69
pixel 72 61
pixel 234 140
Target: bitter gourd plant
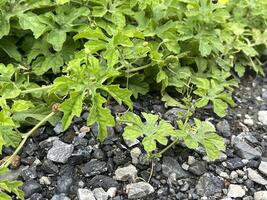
pixel 74 55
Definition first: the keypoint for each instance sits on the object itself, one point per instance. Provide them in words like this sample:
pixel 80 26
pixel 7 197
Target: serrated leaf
pixel 8 137
pixel 120 95
pixel 71 107
pixel 6 72
pixel 101 116
pixel 12 187
pixel 219 107
pixel 31 21
pixel 138 86
pixel 112 56
pixel 7 44
pixel 152 130
pixel 57 38
pixel 21 105
pixel 6 119
pixel 9 90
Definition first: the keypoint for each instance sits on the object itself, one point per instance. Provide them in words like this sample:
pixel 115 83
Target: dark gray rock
pixel 98 154
pixel 64 183
pixel 60 197
pixel 223 128
pixel 94 167
pixel 208 185
pixel 37 196
pixel 58 128
pixel 30 187
pixel 49 167
pixel 80 156
pixel 198 168
pixel 244 150
pixel 170 165
pixel 29 173
pixel 60 152
pixel 139 190
pixel 234 163
pixel 174 114
pixel 103 181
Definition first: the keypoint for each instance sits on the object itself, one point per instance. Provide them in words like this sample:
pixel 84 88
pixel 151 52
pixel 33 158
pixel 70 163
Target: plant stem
pixel 166 148
pixel 26 136
pixel 36 89
pixel 138 68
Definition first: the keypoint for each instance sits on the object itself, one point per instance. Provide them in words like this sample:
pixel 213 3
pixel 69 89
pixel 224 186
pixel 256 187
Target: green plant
pixel 81 53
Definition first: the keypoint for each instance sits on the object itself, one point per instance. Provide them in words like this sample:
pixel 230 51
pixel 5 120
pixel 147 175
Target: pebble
pixel 85 194
pixel 58 128
pixel 60 152
pixel 234 163
pixel 244 150
pixel 249 122
pixel 105 182
pixel 235 191
pixel 112 192
pixel 174 114
pixel 49 167
pixel 64 183
pixel 131 143
pixel 135 153
pixel 260 195
pixel 223 128
pixel 126 173
pixel 29 173
pixel 94 167
pixel 30 187
pixel 100 194
pixel 198 168
pixel 170 165
pixel 60 197
pixel 262 117
pixel 36 196
pixel 44 180
pixel 256 177
pixel 208 184
pixel 233 175
pixel 263 168
pixel 139 190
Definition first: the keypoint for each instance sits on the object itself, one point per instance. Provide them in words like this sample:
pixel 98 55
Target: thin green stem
pixel 166 148
pixel 138 68
pixel 36 89
pixel 26 136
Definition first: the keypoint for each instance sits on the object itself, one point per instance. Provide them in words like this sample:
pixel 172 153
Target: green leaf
pixel 7 44
pixel 21 105
pixel 4 196
pixel 8 137
pixel 137 85
pixel 57 38
pixel 6 72
pixel 6 119
pixel 93 46
pixel 31 21
pixel 9 90
pixel 219 107
pixel 240 70
pixel 5 25
pixel 153 130
pixel 101 116
pixel 12 187
pixel 120 95
pixel 112 56
pixel 71 107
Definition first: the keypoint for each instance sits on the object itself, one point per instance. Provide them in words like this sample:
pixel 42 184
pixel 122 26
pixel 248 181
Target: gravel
pixel 60 152
pixel 235 191
pixel 139 190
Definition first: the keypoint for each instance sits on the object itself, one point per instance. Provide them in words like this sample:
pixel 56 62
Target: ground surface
pixel 73 165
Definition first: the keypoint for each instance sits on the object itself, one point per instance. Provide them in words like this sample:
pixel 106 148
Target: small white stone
pixel 100 194
pixel 263 168
pixel 249 122
pixel 85 129
pixel 44 180
pixel 235 191
pixel 240 173
pixel 260 195
pixel 233 175
pixel 185 166
pixel 191 160
pixel 224 175
pixel 126 173
pixel 85 194
pixel 262 116
pixel 256 177
pixel 112 192
pixel 135 153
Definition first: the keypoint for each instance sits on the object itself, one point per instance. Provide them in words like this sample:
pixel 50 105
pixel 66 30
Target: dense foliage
pixel 79 53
